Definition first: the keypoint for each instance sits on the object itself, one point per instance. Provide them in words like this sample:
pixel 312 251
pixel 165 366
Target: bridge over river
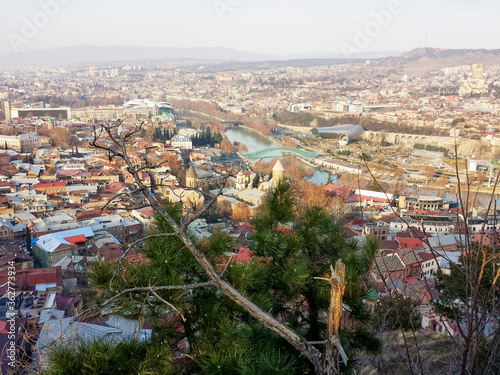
pixel 255 156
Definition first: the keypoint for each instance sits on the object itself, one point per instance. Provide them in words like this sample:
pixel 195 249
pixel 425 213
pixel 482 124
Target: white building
pixel 182 142
pixel 22 142
pixel 339 166
pixel 299 107
pixel 347 106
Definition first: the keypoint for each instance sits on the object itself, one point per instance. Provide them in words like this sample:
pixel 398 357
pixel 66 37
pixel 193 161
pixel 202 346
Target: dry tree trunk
pixel 333 346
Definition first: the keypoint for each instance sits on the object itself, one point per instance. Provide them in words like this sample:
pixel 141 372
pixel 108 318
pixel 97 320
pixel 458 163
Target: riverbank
pixel 270 139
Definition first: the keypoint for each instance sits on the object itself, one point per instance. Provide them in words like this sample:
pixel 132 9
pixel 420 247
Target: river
pixel 256 142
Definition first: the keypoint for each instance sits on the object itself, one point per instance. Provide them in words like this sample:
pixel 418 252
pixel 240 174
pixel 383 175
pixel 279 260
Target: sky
pixel 265 26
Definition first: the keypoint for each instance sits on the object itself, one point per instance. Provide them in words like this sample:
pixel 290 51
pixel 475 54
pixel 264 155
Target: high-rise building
pixel 92 71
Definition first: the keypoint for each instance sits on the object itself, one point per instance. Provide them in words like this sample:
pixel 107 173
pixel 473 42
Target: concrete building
pixel 181 142
pixel 21 143
pixel 49 249
pixel 347 107
pixel 63 113
pixel 377 231
pixel 420 203
pixel 8 115
pixel 338 166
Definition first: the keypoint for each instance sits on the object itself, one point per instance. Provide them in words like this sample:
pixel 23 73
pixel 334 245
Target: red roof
pixel 244 255
pixel 411 280
pixel 76 239
pixel 50 185
pixel 427 256
pixel 3 323
pixel 44 276
pixel 340 190
pixel 410 243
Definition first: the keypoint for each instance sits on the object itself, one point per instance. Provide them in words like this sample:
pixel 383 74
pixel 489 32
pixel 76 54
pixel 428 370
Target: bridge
pixel 255 156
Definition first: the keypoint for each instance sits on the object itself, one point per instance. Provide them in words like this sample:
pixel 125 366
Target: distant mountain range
pixel 423 60
pixel 417 61
pixel 95 54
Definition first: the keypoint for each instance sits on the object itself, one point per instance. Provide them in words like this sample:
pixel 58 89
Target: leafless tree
pixel 477 324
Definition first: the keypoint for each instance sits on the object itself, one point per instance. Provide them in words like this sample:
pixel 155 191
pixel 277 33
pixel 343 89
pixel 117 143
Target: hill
pixel 424 60
pixel 94 54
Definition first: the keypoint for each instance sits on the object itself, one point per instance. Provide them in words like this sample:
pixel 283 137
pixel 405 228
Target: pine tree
pixel 290 250
pixel 256 181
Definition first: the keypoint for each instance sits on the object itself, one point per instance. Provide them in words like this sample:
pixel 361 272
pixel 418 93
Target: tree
pixel 309 194
pixel 396 312
pixel 224 208
pixel 241 212
pixel 226 146
pixel 102 357
pixel 242 148
pixel 399 173
pixel 288 142
pixel 442 180
pixel 228 306
pixel 61 137
pixel 256 181
pixel 374 186
pixel 480 177
pixel 304 251
pixel 261 167
pixel 429 172
pixel 469 296
pixel 365 157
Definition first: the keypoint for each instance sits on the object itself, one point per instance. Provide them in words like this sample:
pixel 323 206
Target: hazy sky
pixel 267 26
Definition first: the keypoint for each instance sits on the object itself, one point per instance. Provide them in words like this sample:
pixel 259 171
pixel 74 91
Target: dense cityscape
pixel 219 216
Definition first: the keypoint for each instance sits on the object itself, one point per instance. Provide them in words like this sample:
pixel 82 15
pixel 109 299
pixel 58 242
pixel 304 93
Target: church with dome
pixel 475 84
pixel 278 175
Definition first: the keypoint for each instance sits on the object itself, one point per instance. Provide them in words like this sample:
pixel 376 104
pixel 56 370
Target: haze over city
pixel 268 27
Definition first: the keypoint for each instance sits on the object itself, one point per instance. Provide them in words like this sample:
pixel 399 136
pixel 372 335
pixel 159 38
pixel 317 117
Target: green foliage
pixel 104 357
pixel 278 205
pixel 269 362
pixel 302 250
pixel 256 181
pixel 206 138
pixel 384 143
pixel 421 146
pixel 374 186
pixel 290 249
pixel 365 157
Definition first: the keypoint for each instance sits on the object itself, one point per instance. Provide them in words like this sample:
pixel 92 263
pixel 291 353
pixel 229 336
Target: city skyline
pixel 276 28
